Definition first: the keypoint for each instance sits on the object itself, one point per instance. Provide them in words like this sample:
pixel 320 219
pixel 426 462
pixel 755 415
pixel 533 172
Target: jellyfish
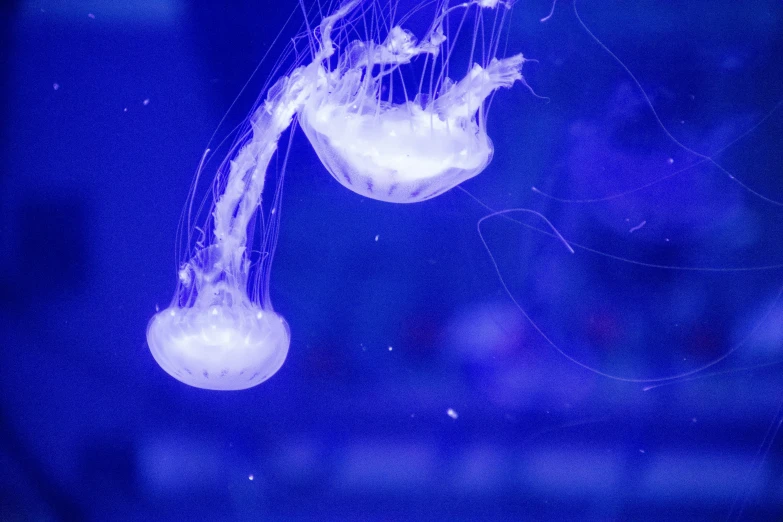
pixel 214 334
pixel 217 334
pixel 433 135
pixel 221 332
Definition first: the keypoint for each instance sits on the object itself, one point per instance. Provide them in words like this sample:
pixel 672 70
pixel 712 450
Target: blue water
pixel 415 387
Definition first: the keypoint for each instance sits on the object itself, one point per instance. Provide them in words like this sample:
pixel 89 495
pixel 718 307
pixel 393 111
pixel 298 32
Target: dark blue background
pixel 92 181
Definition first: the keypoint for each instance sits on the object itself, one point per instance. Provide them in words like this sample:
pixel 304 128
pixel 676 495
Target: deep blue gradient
pixel 397 314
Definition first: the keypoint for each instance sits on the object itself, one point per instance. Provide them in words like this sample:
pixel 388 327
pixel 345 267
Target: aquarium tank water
pixel 410 260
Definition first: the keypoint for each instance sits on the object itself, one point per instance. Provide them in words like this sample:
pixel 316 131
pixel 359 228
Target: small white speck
pixel 451 413
pixel 390 348
pixel 671 161
pixel 90 15
pixel 667 239
pixel 56 86
pixel 377 237
pixel 641 451
pixel 637 227
pixel 250 477
pixel 146 101
pixel 125 109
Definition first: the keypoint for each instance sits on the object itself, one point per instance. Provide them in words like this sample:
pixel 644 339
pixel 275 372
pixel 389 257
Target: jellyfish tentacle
pixel 462 99
pixel 326 49
pixel 247 171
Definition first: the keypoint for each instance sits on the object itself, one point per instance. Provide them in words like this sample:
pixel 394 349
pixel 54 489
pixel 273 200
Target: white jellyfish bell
pixel 432 135
pixel 220 331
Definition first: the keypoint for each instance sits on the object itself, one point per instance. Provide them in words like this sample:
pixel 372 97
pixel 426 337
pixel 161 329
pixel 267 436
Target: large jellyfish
pixel 432 139
pixel 220 331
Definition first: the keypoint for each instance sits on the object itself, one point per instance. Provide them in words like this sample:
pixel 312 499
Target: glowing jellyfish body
pixel 214 335
pixel 432 140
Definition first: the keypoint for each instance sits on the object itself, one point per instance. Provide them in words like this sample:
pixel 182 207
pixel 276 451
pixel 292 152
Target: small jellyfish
pixel 398 131
pixel 216 334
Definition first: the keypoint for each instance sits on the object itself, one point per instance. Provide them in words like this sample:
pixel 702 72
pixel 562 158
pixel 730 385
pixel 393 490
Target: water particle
pixel 637 227
pixel 451 413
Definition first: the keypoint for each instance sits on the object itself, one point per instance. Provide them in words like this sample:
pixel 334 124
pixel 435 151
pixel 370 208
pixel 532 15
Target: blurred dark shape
pixel 33 475
pixel 53 247
pixel 7 15
pixel 109 463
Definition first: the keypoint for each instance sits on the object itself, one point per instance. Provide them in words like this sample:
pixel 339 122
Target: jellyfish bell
pixel 427 142
pixel 213 335
pixel 220 347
